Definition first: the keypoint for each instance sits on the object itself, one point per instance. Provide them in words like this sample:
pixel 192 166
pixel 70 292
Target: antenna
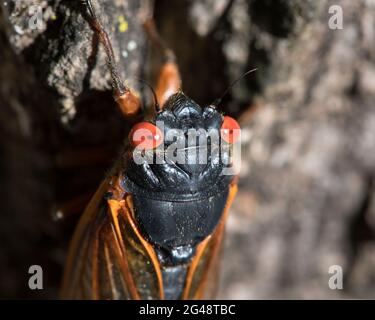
pixel 218 101
pixel 156 103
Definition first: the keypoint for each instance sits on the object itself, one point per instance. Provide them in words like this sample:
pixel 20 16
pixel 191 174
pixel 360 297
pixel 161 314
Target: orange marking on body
pixel 95 285
pixel 193 267
pixel 217 238
pixel 87 217
pixel 147 246
pixel 115 207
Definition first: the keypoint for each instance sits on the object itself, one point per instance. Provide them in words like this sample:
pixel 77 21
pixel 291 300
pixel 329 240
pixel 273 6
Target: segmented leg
pixel 127 101
pixel 169 80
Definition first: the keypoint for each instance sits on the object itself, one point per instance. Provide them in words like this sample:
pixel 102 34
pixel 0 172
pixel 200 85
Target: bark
pixel 306 197
pixel 306 188
pixel 56 101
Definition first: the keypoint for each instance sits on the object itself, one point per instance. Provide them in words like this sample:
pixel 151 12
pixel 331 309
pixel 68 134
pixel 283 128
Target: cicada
pixel 154 228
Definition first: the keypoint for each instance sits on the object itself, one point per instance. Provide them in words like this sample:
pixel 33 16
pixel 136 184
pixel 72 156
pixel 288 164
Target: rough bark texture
pixel 306 198
pixel 307 191
pixel 56 101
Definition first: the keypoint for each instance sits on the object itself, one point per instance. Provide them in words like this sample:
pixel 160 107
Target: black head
pixel 178 202
pixel 196 171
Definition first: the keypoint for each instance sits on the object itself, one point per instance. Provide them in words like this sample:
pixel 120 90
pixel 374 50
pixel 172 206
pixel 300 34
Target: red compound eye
pixel 146 136
pixel 230 130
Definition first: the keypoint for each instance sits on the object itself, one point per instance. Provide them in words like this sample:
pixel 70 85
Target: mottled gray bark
pixel 306 198
pixel 55 99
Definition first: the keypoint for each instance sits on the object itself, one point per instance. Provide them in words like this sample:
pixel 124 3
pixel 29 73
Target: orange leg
pixel 128 102
pixel 169 80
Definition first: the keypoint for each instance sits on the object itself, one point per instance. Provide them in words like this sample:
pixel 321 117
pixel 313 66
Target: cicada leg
pixel 169 79
pixel 128 102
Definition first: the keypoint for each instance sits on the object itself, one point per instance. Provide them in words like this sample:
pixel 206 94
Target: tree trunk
pixel 307 181
pixel 306 199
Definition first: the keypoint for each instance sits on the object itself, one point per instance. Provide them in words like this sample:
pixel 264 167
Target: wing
pixel 201 281
pixel 107 258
